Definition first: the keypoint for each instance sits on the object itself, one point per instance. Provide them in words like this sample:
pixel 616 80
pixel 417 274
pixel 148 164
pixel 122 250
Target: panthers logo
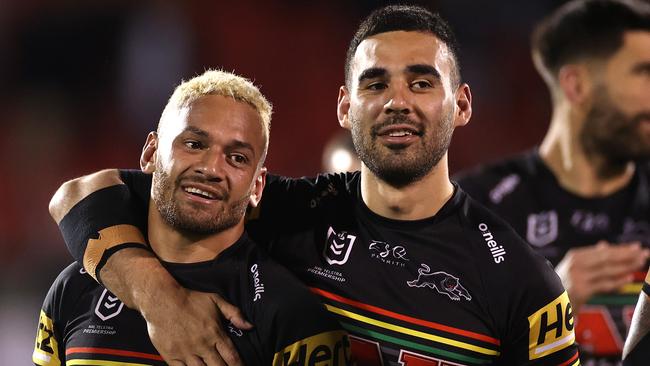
pixel 442 282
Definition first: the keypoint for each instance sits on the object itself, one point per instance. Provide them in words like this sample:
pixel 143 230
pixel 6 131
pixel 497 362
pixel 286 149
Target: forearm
pixel 136 276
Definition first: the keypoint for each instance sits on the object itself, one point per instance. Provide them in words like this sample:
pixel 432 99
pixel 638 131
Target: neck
pixel 415 201
pixel 172 245
pixel 587 175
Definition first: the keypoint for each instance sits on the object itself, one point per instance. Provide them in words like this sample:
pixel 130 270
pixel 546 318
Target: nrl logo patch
pixel 440 281
pixel 108 306
pixel 338 246
pixel 542 228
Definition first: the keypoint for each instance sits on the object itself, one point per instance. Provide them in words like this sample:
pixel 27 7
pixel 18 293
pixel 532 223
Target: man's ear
pixel 463 105
pixel 343 107
pixel 575 82
pixel 258 188
pixel 148 156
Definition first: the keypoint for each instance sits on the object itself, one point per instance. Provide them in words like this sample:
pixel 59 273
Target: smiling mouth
pixel 199 193
pixel 399 133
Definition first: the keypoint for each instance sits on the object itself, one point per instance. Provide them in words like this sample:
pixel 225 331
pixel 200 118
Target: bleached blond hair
pixel 227 84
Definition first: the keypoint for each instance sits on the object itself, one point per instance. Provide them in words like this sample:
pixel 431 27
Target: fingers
pixel 609 284
pixel 600 268
pixel 225 349
pixel 232 313
pixel 603 254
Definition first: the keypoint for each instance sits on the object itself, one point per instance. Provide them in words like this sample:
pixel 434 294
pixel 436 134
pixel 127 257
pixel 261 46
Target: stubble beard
pixel 400 167
pixel 612 137
pixel 183 219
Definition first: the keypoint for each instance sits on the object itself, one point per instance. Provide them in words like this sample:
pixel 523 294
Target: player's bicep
pixel 73 191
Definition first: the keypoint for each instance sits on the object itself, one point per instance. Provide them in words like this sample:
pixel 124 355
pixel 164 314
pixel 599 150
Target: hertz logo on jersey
pixel 551 328
pixel 46 348
pixel 332 347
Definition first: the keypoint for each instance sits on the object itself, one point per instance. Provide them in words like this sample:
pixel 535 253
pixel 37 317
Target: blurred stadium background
pixel 84 81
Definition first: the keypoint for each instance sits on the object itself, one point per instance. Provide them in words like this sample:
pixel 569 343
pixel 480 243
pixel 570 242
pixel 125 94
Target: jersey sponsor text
pixel 551 328
pixel 315 349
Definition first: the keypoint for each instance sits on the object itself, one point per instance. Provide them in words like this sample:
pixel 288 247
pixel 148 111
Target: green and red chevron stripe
pixel 398 331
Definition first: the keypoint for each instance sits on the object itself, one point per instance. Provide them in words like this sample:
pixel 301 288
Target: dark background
pixel 82 82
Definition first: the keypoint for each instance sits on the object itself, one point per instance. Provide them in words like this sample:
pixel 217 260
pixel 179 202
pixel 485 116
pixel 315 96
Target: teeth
pixel 400 133
pixel 199 192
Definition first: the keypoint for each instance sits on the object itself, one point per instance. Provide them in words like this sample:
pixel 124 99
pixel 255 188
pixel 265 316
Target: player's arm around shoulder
pixel 101 220
pixel 527 297
pixel 55 312
pixel 300 330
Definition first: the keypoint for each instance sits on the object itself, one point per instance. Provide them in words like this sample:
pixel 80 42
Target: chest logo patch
pixel 542 228
pixel 338 246
pixel 440 281
pixel 108 306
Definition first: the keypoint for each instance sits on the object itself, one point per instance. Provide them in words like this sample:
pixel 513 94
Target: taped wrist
pixel 101 224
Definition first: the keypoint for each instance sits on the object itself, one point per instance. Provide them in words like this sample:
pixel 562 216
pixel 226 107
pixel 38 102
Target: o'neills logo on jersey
pixel 551 328
pixel 258 286
pixel 497 251
pixel 338 246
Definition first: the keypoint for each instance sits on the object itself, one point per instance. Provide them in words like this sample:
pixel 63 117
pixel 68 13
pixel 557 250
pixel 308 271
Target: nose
pixel 399 101
pixel 211 165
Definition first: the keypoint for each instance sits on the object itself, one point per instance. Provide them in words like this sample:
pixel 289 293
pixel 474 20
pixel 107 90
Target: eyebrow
pixel 641 67
pixel 418 69
pixel 423 69
pixel 371 73
pixel 235 144
pixel 196 131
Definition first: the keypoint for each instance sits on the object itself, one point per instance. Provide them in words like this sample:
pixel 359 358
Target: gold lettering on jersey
pixel 551 328
pixel 46 348
pixel 108 238
pixel 327 348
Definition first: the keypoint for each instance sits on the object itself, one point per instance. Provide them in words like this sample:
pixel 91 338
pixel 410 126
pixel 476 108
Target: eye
pixel 376 86
pixel 193 144
pixel 421 84
pixel 238 159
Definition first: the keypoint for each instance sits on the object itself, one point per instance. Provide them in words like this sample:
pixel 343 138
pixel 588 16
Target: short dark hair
pixel 404 18
pixel 582 29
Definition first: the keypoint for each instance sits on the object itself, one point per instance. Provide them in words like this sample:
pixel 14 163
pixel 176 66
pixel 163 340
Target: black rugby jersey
pixel 524 192
pixel 459 288
pixel 82 323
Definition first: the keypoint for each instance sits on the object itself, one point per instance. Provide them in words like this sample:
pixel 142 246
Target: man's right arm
pixel 101 227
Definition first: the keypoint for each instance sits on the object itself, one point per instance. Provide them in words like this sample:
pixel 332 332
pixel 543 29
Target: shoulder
pixel 72 281
pixel 65 292
pixel 506 256
pixel 494 181
pixel 325 183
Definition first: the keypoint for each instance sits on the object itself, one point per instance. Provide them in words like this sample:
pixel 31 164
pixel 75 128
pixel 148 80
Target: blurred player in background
pixel 582 199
